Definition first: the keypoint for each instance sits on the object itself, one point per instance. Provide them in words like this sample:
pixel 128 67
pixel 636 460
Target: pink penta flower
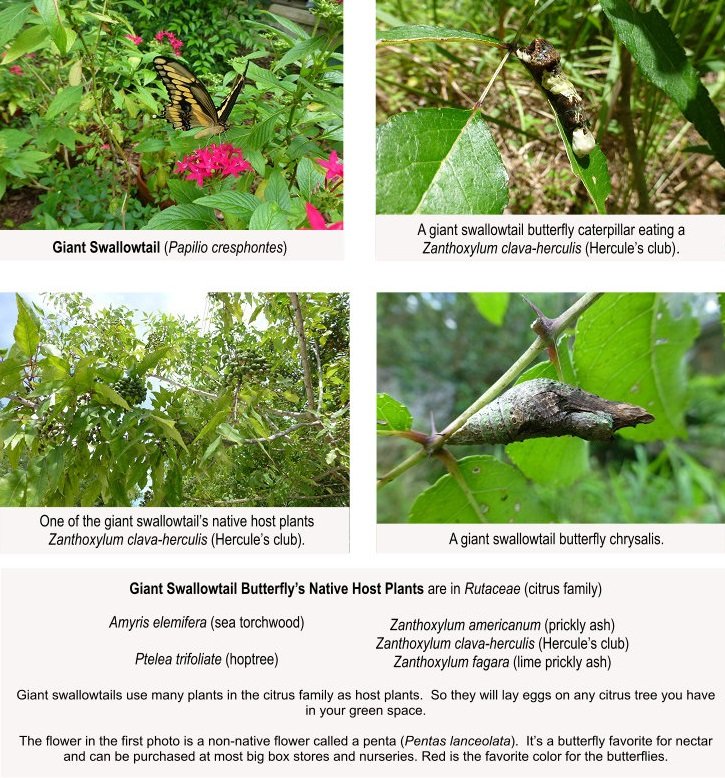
pixel 137 39
pixel 174 42
pixel 16 70
pixel 217 159
pixel 333 168
pixel 317 220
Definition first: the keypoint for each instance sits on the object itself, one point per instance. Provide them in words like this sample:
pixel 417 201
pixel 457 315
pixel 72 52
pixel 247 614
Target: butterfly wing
pixel 190 104
pixel 226 107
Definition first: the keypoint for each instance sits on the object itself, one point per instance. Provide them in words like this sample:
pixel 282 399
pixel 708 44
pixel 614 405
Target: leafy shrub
pixel 88 96
pixel 104 406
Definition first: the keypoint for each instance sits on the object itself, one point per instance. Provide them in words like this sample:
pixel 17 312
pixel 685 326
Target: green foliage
pixel 108 406
pixel 439 161
pixel 636 348
pixel 651 371
pixel 483 489
pixel 393 416
pixel 83 103
pixel 491 305
pixel 663 61
pixel 644 76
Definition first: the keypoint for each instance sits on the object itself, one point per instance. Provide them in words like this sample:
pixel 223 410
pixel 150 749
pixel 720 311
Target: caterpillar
pixel 543 61
pixel 543 408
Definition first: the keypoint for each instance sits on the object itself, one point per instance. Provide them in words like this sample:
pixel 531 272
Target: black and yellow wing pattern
pixel 190 104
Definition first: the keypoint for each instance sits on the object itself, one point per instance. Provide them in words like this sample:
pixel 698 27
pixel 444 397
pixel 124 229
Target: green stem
pixel 452 466
pixel 630 136
pixel 398 470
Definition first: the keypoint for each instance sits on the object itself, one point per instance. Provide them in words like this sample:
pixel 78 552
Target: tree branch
pixel 23 401
pixel 179 385
pixel 320 388
pixel 300 329
pixel 284 432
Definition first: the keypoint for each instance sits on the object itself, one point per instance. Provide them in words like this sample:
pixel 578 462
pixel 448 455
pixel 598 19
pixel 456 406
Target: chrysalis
pixel 542 408
pixel 543 61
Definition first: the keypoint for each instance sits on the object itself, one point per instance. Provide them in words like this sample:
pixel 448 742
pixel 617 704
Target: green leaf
pixel 153 146
pixel 12 20
pixel 49 13
pixel 240 204
pixel 263 132
pixel 14 139
pixel 169 430
pixel 65 101
pixel 12 370
pixel 300 52
pixel 13 488
pixel 151 360
pixel 592 170
pixel 392 415
pixel 491 305
pixel 147 99
pixel 212 424
pixel 183 191
pixel 276 190
pixel 421 33
pixel 437 161
pixel 51 470
pixel 662 60
pixel 188 216
pixel 268 217
pixel 309 177
pixel 499 490
pixel 556 461
pixel 211 448
pixel 29 40
pixel 631 348
pixel 229 433
pixel 27 328
pixel 105 392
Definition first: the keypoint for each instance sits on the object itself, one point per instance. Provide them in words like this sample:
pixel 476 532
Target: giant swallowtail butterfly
pixel 543 61
pixel 190 104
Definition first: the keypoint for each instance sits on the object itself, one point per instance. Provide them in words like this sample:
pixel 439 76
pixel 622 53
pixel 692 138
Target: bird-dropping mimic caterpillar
pixel 543 61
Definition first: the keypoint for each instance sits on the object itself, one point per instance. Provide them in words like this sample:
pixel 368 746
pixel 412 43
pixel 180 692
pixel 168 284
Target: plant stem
pixel 398 470
pixel 302 341
pixel 452 466
pixel 630 138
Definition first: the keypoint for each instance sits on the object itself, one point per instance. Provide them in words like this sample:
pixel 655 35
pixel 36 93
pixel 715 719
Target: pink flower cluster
pixel 333 168
pixel 317 220
pixel 221 159
pixel 137 39
pixel 174 42
pixel 16 70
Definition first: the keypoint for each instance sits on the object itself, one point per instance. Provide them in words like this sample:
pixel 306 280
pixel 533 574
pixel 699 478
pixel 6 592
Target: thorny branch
pixel 546 332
